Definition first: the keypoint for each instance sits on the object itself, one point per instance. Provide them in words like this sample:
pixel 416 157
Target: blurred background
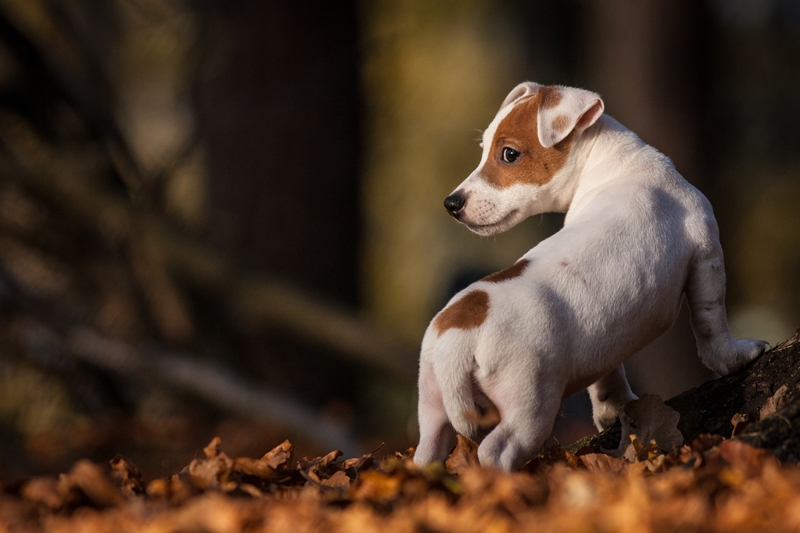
pixel 223 217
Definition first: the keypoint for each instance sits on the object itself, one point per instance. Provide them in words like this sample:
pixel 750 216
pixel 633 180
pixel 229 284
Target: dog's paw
pixel 744 351
pixel 606 422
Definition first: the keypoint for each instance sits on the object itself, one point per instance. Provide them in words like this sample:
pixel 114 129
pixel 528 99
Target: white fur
pixel 636 238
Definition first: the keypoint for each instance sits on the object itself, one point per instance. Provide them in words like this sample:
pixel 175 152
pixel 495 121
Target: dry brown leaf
pixel 176 489
pixel 775 402
pixel 212 449
pixel 280 457
pixel 359 463
pixel 128 475
pixel 338 480
pixel 213 473
pixel 644 420
pixel 463 456
pixel 601 462
pixel 742 456
pixel 328 459
pixel 256 467
pixel 740 421
pixel 376 487
pixel 93 482
pixel 44 491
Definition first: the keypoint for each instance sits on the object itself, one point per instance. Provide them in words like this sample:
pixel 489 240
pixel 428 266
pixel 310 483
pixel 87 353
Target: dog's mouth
pixel 494 228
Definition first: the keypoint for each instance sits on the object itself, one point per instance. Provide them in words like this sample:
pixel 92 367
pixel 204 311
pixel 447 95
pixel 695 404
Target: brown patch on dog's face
pixel 468 312
pixel 511 272
pixel 536 165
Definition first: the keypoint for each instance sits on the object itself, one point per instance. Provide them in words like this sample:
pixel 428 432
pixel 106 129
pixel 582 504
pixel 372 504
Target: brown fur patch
pixel 511 272
pixel 550 96
pixel 560 123
pixel 518 130
pixel 468 312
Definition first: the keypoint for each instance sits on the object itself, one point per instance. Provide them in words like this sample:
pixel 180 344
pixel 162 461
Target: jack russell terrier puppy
pixel 636 238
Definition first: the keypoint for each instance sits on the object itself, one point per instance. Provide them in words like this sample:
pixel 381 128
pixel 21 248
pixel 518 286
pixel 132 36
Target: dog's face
pixel 526 156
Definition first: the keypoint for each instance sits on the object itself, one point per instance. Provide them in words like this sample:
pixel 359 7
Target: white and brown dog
pixel 636 238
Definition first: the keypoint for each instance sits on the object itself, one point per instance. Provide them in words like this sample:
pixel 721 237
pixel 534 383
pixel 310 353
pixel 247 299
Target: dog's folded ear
pixel 523 89
pixel 564 109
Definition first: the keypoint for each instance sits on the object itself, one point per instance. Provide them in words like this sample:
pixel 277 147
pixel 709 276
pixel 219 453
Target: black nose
pixel 454 204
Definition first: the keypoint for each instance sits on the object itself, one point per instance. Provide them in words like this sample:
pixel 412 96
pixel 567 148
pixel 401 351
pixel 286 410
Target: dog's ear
pixel 523 89
pixel 564 109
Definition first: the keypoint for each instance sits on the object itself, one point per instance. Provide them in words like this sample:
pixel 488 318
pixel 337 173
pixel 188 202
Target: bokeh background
pixel 223 217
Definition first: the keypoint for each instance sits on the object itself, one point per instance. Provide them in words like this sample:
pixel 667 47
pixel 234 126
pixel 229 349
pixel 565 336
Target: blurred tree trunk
pixel 279 113
pixel 649 60
pixel 279 109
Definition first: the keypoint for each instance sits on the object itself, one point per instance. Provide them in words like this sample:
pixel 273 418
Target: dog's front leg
pixel 609 394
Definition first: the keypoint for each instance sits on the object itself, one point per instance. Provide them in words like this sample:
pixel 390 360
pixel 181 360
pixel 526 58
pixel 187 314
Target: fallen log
pixel 766 392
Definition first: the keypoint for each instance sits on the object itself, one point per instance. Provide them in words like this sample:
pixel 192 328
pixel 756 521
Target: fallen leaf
pixel 338 480
pixel 644 420
pixel 93 482
pixel 775 402
pixel 212 449
pixel 741 456
pixel 256 467
pixel 601 462
pixel 376 487
pixel 740 421
pixel 329 458
pixel 359 463
pixel 43 491
pixel 129 476
pixel 463 456
pixel 280 457
pixel 212 473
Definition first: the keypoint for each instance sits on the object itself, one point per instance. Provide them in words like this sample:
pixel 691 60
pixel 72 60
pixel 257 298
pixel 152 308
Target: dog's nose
pixel 454 204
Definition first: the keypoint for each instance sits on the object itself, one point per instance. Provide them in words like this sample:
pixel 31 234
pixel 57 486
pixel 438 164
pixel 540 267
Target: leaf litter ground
pixel 712 484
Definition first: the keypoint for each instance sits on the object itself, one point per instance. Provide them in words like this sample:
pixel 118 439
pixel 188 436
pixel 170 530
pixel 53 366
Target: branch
pixel 213 384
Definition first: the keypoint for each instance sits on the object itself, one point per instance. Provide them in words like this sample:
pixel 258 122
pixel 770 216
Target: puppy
pixel 636 238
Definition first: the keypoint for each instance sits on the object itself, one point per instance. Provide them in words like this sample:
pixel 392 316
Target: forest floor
pixel 721 457
pixel 712 484
pixel 651 482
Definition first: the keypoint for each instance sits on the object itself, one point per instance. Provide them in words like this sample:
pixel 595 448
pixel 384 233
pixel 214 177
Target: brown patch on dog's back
pixel 511 272
pixel 468 312
pixel 518 130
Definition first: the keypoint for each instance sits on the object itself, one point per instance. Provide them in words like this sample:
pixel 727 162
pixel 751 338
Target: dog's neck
pixel 602 154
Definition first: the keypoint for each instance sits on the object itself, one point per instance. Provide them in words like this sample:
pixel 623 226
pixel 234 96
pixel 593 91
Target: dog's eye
pixel 509 155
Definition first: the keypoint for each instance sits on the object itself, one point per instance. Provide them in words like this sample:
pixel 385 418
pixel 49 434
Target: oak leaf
pixel 644 420
pixel 463 456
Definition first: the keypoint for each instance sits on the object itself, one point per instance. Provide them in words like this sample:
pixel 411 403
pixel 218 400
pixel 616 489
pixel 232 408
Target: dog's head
pixel 526 162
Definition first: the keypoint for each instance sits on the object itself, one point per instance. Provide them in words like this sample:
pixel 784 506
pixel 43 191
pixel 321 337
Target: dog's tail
pixel 453 364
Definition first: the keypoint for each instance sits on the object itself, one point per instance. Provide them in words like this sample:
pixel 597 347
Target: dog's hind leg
pixel 609 394
pixel 526 420
pixel 705 292
pixel 435 431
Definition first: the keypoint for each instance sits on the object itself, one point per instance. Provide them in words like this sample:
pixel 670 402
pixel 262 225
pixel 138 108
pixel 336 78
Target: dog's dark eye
pixel 509 155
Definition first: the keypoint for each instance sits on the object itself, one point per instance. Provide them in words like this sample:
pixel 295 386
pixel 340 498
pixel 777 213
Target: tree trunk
pixel 771 383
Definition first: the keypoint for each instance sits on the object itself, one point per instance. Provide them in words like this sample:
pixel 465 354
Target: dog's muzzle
pixel 454 204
